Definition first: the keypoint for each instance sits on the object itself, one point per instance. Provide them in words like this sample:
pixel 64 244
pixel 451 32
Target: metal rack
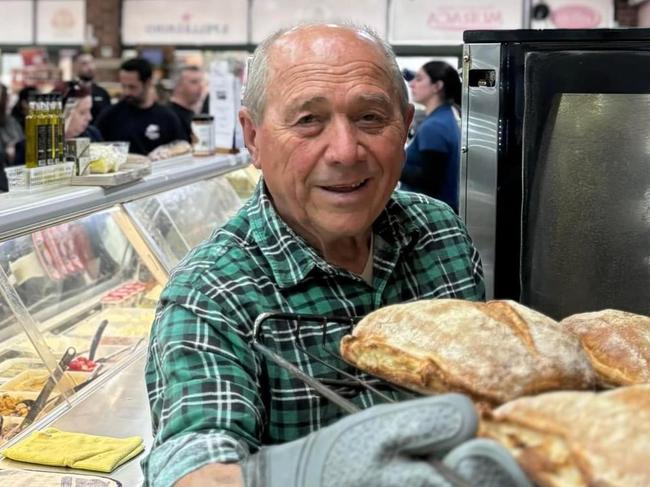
pixel 337 390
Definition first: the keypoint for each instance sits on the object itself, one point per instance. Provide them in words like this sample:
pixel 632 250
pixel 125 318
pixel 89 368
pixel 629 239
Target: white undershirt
pixel 366 274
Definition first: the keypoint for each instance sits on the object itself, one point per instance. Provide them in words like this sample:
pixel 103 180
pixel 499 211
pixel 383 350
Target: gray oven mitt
pixel 394 445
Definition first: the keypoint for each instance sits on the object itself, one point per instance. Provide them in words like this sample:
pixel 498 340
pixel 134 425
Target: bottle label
pixel 203 144
pixel 43 136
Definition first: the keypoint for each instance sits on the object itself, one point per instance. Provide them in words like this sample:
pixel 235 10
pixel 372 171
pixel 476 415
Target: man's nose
pixel 343 142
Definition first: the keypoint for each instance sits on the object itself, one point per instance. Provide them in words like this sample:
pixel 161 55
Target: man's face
pixel 134 91
pixel 85 67
pixel 331 142
pixel 190 86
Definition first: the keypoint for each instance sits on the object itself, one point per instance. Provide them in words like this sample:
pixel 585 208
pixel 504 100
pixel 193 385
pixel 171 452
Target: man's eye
pixel 372 118
pixel 307 119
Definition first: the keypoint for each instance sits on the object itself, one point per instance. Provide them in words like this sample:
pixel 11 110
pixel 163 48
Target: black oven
pixel 555 171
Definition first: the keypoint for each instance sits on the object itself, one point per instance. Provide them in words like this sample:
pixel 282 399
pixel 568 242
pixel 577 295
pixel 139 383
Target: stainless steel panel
pixel 586 228
pixel 479 141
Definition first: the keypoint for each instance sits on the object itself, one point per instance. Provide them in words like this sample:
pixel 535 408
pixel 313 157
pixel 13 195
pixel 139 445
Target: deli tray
pixel 128 173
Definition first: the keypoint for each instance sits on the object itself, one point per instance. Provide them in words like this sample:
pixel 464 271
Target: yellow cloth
pixel 75 450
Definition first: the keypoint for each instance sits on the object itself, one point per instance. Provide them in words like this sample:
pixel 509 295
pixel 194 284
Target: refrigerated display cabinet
pixel 81 269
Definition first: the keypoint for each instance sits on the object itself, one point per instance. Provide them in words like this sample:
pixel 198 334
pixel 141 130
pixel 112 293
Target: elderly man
pixel 325 120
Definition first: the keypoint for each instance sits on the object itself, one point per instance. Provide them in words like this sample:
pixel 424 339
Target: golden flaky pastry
pixel 578 439
pixel 616 342
pixel 494 351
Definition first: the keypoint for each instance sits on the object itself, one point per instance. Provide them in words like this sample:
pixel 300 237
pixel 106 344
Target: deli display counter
pixel 81 270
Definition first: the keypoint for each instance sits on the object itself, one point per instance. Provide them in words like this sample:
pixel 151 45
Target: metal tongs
pixel 49 386
pixel 320 385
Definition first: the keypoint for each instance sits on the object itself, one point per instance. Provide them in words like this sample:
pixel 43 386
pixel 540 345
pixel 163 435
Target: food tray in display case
pixel 123 323
pixel 33 380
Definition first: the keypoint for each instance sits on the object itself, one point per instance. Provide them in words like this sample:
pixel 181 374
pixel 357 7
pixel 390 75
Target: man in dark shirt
pixel 84 69
pixel 137 117
pixel 188 88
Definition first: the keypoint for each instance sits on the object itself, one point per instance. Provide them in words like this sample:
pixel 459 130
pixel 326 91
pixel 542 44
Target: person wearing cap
pixel 325 116
pixel 433 155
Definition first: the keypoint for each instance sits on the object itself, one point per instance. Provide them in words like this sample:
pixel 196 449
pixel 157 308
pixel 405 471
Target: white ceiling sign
pixel 271 15
pixel 186 22
pixel 17 26
pixel 60 22
pixel 444 21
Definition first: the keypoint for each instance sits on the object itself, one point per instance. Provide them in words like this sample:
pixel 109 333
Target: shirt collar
pixel 291 258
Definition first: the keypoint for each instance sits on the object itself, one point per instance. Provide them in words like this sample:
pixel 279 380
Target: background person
pixel 11 131
pixel 325 120
pixel 189 84
pixel 77 112
pixel 21 108
pixel 433 156
pixel 137 118
pixel 84 70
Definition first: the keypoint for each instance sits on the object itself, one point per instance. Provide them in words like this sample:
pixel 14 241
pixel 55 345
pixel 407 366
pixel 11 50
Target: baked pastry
pixel 616 342
pixel 494 351
pixel 578 439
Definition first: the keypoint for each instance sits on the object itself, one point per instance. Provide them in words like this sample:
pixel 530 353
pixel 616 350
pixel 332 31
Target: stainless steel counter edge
pixel 23 212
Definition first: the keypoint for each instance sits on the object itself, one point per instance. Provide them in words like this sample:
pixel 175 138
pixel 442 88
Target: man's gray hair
pixel 178 72
pixel 258 68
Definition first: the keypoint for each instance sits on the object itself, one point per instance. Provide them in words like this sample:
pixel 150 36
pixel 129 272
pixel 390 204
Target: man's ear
pixel 408 120
pixel 249 129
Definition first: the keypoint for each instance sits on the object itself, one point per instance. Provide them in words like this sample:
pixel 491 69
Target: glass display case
pixel 77 297
pixel 177 220
pixel 86 292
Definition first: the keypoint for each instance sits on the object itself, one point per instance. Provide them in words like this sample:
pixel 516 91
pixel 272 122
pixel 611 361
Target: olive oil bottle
pixel 55 113
pixel 31 139
pixel 61 131
pixel 52 120
pixel 43 132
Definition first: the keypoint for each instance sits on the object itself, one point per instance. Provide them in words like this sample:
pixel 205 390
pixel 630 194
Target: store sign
pixel 187 22
pixel 269 16
pixel 60 22
pixel 577 14
pixel 17 28
pixel 444 21
pixel 449 17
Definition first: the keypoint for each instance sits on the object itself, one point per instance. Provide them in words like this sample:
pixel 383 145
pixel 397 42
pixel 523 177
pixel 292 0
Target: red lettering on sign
pixel 465 18
pixel 575 17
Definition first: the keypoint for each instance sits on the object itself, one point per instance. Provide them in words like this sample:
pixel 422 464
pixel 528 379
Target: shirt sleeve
pixel 476 266
pixel 202 382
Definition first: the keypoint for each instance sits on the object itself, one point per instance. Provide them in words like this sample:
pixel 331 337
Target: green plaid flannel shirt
pixel 213 399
